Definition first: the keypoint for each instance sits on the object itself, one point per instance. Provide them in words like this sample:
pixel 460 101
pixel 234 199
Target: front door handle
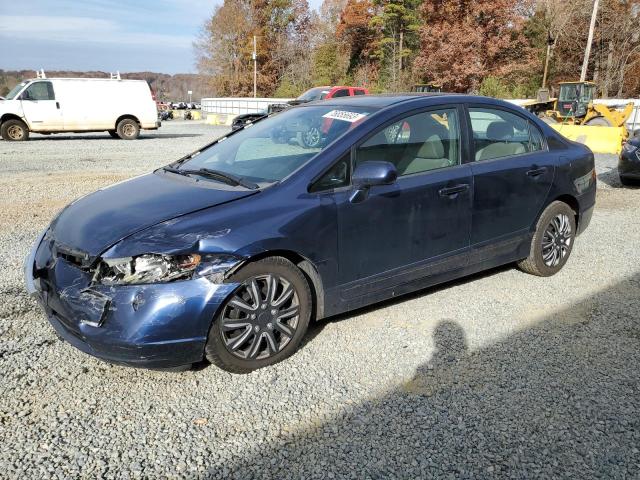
pixel 58 105
pixel 453 192
pixel 536 172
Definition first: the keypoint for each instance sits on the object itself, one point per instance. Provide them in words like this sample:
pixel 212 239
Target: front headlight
pixel 149 268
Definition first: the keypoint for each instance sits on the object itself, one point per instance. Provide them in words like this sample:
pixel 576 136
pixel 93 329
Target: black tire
pixel 557 229
pixel 257 332
pixel 128 129
pixel 599 122
pixel 629 182
pixel 113 133
pixel 14 130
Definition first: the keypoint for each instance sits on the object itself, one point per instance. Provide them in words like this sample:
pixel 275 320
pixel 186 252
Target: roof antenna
pixel 40 74
pixel 116 76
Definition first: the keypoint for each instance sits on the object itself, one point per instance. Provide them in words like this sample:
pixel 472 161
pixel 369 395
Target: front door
pixel 512 175
pixel 40 107
pixel 422 219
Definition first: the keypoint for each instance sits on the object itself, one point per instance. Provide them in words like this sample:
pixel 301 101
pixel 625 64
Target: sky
pixel 106 35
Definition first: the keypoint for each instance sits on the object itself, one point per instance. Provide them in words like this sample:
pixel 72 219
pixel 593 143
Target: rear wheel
pixel 552 241
pixel 128 129
pixel 598 122
pixel 14 130
pixel 113 133
pixel 264 320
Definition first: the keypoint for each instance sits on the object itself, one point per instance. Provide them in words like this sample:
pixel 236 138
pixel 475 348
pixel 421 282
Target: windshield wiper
pixel 224 177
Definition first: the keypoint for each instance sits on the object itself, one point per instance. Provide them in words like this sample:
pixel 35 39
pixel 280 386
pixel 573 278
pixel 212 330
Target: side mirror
pixel 370 174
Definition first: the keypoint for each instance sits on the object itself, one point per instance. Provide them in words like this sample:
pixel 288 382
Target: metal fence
pixel 238 106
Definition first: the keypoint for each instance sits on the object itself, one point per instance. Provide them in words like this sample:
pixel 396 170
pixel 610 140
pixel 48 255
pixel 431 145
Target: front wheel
pixel 264 320
pixel 552 241
pixel 14 131
pixel 128 129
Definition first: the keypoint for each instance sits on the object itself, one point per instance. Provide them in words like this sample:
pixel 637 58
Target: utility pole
pixel 255 68
pixel 587 51
pixel 550 42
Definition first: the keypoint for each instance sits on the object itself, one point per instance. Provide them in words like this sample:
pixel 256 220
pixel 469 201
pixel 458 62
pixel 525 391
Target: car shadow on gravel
pixel 559 399
pixel 315 328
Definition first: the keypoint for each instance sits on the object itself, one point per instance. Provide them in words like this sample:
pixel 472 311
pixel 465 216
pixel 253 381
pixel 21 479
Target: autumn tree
pixel 357 38
pixel 464 41
pixel 223 49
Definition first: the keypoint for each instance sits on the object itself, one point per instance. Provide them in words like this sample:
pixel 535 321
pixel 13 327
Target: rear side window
pixel 39 91
pixel 341 93
pixel 358 92
pixel 536 138
pixel 417 143
pixel 498 133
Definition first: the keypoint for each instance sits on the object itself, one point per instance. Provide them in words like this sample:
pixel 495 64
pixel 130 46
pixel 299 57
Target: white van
pixel 54 105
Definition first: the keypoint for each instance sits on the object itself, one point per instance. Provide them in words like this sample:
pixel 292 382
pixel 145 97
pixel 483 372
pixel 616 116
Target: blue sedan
pixel 228 253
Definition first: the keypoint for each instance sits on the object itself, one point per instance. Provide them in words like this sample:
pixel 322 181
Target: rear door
pixel 512 175
pixel 41 109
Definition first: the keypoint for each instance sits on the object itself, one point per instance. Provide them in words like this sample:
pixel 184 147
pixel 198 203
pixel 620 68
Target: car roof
pixel 386 100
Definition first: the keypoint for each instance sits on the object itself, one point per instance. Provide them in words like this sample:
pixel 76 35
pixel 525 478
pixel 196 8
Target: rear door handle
pixel 536 172
pixel 58 105
pixel 452 192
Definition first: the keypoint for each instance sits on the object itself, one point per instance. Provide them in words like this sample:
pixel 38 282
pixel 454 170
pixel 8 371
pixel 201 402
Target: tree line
pixel 491 47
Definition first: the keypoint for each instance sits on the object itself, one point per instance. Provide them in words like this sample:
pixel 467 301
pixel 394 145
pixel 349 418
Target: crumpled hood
pixel 99 220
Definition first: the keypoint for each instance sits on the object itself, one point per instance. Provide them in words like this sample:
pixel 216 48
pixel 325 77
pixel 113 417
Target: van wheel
pixel 128 129
pixel 552 242
pixel 14 131
pixel 113 133
pixel 264 320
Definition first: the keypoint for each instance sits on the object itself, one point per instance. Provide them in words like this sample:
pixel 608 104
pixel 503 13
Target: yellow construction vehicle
pixel 426 88
pixel 575 106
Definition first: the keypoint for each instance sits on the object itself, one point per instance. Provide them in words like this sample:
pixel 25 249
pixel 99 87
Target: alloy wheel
pixel 261 317
pixel 556 241
pixel 312 137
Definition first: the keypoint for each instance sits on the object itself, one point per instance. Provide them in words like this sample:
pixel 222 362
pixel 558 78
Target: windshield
pixel 314 94
pixel 14 91
pixel 271 149
pixel 570 92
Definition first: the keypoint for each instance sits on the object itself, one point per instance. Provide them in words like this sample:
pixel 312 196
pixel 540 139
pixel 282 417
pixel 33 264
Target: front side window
pixel 39 91
pixel 273 148
pixel 498 133
pixel 336 177
pixel 418 143
pixel 313 94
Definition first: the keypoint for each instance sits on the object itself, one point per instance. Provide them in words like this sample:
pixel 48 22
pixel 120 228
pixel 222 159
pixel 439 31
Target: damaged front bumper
pixel 162 325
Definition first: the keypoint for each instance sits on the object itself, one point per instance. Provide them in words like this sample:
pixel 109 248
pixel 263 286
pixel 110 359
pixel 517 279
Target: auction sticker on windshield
pixel 344 115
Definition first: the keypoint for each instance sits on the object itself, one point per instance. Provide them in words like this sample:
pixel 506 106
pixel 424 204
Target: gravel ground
pixel 502 375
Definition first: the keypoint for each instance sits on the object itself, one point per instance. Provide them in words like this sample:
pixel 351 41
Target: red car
pixel 322 93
